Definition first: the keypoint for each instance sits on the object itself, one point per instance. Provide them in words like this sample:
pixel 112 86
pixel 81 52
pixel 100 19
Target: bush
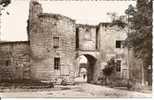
pixel 120 82
pixel 51 85
pixel 109 69
pixel 64 82
pixel 27 84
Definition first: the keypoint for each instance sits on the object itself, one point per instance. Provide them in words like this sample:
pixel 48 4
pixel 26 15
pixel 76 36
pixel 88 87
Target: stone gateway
pixel 54 44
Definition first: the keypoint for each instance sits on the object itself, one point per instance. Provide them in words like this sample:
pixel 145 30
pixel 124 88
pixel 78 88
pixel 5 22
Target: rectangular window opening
pixel 7 63
pixel 97 39
pixel 118 44
pixel 55 42
pixel 77 38
pixel 56 63
pixel 118 67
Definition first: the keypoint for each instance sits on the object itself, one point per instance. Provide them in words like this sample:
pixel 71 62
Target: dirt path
pixel 102 91
pixel 80 90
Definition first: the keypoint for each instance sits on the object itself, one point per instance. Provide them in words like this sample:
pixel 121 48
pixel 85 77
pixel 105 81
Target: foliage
pixel 25 84
pixel 5 3
pixel 140 39
pixel 121 82
pixel 64 82
pixel 117 20
pixel 108 70
pixel 131 10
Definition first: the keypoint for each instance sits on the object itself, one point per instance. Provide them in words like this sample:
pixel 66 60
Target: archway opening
pixel 86 65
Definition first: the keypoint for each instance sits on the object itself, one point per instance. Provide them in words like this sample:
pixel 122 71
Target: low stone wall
pixel 14 60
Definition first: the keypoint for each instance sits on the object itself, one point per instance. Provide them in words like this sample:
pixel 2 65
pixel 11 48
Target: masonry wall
pixel 109 34
pixel 32 23
pixel 43 51
pixel 87 37
pixel 99 40
pixel 14 61
pixel 137 72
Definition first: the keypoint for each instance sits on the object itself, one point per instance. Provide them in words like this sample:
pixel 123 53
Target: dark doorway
pixel 90 69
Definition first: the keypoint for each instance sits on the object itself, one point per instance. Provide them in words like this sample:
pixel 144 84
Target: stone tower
pixel 34 9
pixel 52 44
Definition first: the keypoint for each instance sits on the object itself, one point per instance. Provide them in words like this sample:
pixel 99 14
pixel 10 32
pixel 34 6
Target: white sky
pixel 82 59
pixel 13 26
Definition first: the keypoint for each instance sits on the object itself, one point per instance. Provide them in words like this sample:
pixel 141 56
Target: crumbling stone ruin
pixel 56 41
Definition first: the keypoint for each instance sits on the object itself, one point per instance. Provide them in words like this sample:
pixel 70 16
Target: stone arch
pixel 91 61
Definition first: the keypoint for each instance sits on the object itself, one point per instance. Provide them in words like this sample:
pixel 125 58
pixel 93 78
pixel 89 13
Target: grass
pixel 25 84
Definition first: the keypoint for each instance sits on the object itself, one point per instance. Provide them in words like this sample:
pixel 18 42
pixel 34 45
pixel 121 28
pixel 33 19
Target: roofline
pixel 54 15
pixel 105 23
pixel 86 25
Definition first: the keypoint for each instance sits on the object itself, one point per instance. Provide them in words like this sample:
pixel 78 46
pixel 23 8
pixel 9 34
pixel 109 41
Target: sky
pixel 13 26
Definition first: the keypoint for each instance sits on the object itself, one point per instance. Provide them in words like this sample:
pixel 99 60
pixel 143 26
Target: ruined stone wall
pixel 109 34
pixel 32 23
pixel 73 38
pixel 134 68
pixel 43 51
pixel 14 60
pixel 87 37
pixel 88 44
pixel 137 73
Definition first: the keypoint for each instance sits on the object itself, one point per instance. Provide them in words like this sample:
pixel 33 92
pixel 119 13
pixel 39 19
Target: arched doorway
pixel 86 64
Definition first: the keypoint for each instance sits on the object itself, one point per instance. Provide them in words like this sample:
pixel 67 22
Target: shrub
pixel 64 82
pixel 109 69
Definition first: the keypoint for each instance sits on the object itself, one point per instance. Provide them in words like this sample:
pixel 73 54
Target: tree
pixel 131 10
pixel 3 4
pixel 140 39
pixel 109 69
pixel 117 20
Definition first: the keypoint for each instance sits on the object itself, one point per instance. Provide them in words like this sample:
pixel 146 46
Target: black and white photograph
pixel 76 48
